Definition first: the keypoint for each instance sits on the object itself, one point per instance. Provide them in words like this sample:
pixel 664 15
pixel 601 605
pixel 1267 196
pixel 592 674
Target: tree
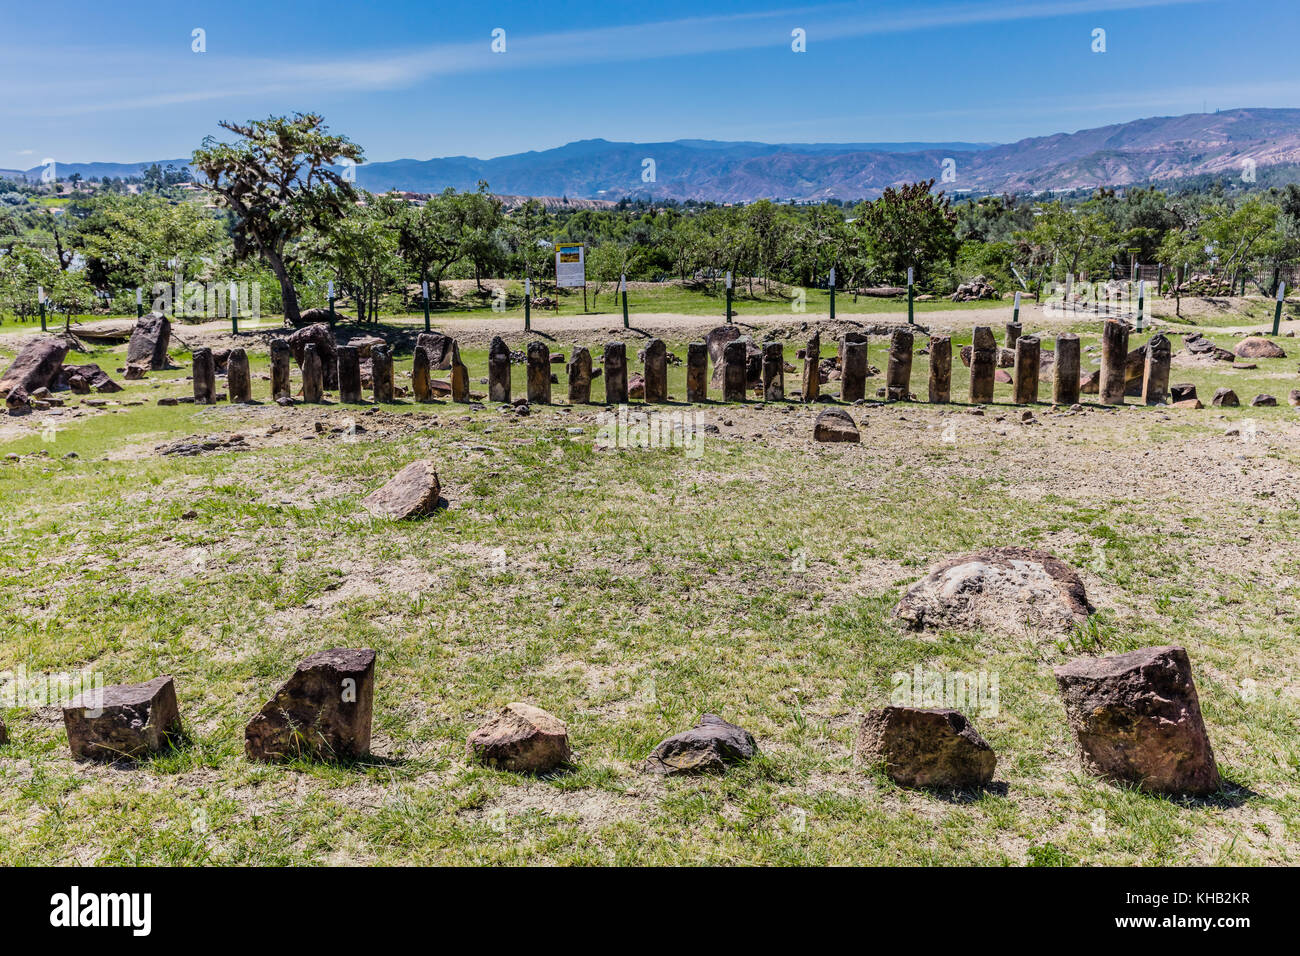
pixel 22 270
pixel 1181 250
pixel 278 182
pixel 429 237
pixel 529 227
pixel 481 219
pixel 362 248
pixel 908 227
pixel 1071 237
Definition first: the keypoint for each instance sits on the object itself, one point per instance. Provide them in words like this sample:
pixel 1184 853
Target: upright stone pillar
pixel 205 377
pixel 1028 356
pixel 381 370
pixel 697 372
pixel 898 373
pixel 313 375
pixel 499 371
pixel 734 366
pixel 656 372
pixel 773 372
pixel 539 373
pixel 983 365
pixel 1114 362
pixel 615 373
pixel 853 372
pixel 812 372
pixel 350 375
pixel 239 383
pixel 460 377
pixel 1013 334
pixel 1155 378
pixel 579 369
pixel 420 375
pixel 281 355
pixel 1065 370
pixel 940 369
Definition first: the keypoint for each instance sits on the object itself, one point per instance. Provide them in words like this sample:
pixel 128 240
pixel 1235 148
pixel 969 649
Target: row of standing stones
pixel 1136 716
pixel 739 367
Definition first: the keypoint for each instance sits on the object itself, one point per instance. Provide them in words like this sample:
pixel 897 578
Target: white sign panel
pixel 570 265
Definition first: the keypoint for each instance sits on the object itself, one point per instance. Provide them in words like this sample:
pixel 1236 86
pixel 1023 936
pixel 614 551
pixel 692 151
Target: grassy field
pixel 626 592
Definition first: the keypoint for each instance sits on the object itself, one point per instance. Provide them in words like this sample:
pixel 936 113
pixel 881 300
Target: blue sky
pixel 119 82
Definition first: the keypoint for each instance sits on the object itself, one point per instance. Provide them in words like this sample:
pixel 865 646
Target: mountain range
pixel 1145 150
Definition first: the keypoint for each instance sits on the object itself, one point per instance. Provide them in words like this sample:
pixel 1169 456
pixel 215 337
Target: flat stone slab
pixel 1001 589
pixel 1137 719
pixel 709 746
pixel 414 492
pixel 836 425
pixel 925 747
pixel 521 738
pixel 323 711
pixel 123 720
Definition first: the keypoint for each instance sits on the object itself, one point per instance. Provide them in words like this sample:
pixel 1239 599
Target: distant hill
pixel 1157 149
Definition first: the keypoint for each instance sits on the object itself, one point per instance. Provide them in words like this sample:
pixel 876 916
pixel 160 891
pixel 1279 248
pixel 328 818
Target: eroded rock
pixel 521 738
pixel 323 711
pixel 414 492
pixel 123 721
pixel 923 747
pixel 709 746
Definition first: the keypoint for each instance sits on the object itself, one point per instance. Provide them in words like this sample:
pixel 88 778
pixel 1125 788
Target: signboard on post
pixel 570 265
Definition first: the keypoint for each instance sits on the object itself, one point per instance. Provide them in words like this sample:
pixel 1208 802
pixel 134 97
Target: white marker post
pixel 1142 295
pixel 1015 309
pixel 728 298
pixel 40 300
pixel 139 304
pixel 424 287
pixel 622 288
pixel 1277 311
pixel 528 302
pixel 330 294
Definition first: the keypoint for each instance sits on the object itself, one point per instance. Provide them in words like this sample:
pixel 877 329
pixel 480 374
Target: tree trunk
pixel 288 294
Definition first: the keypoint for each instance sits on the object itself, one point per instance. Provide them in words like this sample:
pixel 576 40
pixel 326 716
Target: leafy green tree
pixel 362 248
pixel 277 181
pixel 481 220
pixel 909 227
pixel 430 237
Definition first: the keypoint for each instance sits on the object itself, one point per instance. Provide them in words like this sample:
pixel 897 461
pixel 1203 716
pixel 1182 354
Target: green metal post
pixel 623 289
pixel 911 298
pixel 1277 312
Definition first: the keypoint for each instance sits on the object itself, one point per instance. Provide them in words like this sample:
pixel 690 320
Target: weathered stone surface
pixel 420 375
pixel 1256 346
pixel 1155 375
pixel 280 354
pixel 1003 589
pixel 364 343
pixel 1113 383
pixel 124 720
pixel 1065 370
pixel 499 371
pixel 414 492
pixel 521 738
pixel 18 402
pixel 323 711
pixel 440 348
pixel 697 372
pixel 205 377
pixel 4 733
pixel 656 372
pixel 1263 401
pixel 459 376
pixel 853 380
pixel 1198 344
pixel 349 374
pixel 1138 720
pixel 313 375
pixel 636 387
pixel 940 369
pixel 898 369
pixel 773 372
pixel 579 371
pixel 1225 398
pixel 322 337
pixel 921 747
pixel 709 746
pixel 83 379
pixel 1182 392
pixel 381 374
pixel 1013 335
pixel 717 342
pixel 1293 399
pixel 539 373
pixel 734 362
pixel 812 356
pixel 1192 403
pixel 1025 388
pixel 149 341
pixel 36 365
pixel 983 365
pixel 615 367
pixel 239 383
pixel 835 425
